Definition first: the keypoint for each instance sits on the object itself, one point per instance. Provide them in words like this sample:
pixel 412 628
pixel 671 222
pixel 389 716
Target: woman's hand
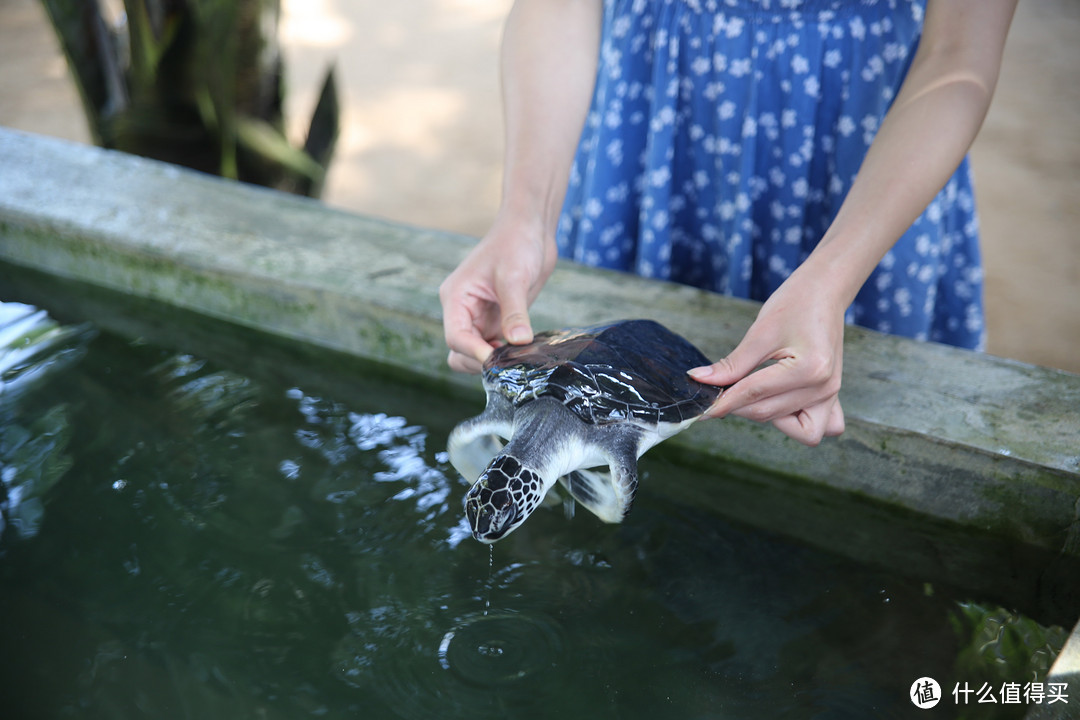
pixel 922 139
pixel 486 299
pixel 549 55
pixel 796 346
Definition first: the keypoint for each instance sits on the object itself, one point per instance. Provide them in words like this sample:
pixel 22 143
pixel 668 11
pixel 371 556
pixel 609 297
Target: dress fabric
pixel 723 136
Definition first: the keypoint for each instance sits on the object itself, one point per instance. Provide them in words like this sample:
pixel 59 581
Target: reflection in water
pixel 32 452
pixel 222 546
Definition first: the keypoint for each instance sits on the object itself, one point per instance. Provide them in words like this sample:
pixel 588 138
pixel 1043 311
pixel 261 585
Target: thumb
pixel 729 370
pixel 514 317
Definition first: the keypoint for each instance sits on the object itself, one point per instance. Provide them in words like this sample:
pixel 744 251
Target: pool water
pixel 190 539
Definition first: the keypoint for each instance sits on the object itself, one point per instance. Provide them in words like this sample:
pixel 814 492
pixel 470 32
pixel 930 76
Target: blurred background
pixel 420 137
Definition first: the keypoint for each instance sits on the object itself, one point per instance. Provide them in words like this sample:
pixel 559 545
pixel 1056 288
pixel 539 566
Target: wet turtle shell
pixel 633 370
pixel 572 400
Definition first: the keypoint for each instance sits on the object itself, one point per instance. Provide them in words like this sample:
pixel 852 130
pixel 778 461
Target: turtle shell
pixel 629 370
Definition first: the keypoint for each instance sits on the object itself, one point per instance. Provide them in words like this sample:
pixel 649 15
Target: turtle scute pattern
pixel 503 484
pixel 633 370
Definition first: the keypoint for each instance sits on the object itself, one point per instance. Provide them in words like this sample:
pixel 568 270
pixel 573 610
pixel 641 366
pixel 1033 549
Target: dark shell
pixel 608 373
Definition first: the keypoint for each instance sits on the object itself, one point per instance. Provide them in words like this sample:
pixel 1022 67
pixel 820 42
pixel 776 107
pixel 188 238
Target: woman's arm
pixel 549 55
pixel 924 136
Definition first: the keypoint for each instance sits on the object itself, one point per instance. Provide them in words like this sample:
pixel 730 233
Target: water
pixel 187 539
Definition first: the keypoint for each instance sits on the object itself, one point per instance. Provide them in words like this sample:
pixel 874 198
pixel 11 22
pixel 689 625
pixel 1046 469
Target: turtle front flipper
pixel 474 442
pixel 609 494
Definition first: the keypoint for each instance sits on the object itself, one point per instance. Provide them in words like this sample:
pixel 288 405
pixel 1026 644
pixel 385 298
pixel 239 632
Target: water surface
pixel 185 539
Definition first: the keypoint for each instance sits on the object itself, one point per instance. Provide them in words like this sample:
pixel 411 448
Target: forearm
pixel 921 141
pixel 549 56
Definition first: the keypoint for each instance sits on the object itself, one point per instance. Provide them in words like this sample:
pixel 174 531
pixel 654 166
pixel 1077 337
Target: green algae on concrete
pixel 981 442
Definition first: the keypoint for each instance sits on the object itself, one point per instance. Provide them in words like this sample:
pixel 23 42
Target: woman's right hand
pixel 486 299
pixel 549 55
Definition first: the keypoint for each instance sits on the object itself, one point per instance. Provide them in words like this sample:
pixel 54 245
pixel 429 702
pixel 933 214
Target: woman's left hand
pixel 796 347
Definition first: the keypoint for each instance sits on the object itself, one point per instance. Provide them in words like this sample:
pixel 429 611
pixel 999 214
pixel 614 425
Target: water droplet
pixel 490 650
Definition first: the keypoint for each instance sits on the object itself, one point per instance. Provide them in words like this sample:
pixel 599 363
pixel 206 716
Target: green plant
pixel 197 83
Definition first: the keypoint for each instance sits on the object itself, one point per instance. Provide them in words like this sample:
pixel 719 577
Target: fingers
pixel 787 368
pixel 463 335
pixel 740 363
pixel 464 320
pixel 836 425
pixel 799 398
pixel 512 291
pixel 780 389
pixel 464 363
pixel 488 295
pixel 809 426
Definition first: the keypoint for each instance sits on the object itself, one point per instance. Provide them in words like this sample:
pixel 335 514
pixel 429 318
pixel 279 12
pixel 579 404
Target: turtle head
pixel 502 498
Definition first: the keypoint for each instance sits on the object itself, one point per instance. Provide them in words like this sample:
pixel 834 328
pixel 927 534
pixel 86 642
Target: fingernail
pixel 519 334
pixel 699 373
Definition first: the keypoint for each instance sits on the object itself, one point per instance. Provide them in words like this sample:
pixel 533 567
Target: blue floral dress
pixel 723 136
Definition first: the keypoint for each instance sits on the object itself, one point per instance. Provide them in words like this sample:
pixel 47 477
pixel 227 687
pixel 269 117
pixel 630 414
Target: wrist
pixel 537 209
pixel 525 222
pixel 831 276
pixel 843 261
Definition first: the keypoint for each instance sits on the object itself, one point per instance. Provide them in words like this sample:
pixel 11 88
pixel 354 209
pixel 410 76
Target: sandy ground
pixel 422 135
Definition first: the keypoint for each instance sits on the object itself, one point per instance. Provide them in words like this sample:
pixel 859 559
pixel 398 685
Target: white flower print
pixel 858 28
pixel 610 234
pixel 615 151
pixel 713 90
pixel 617 193
pixel 718 149
pixel 874 67
pixel 740 68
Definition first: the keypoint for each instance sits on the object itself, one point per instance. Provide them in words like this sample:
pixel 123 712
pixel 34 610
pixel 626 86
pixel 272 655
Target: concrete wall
pixel 985 451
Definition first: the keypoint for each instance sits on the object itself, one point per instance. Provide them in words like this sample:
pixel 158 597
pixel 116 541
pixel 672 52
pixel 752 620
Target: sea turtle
pixel 571 400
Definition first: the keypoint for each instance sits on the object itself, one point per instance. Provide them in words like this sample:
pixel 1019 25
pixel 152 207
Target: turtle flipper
pixel 593 489
pixel 473 443
pixel 608 494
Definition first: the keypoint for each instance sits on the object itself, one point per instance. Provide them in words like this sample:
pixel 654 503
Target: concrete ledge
pixel 987 445
pixel 1065 671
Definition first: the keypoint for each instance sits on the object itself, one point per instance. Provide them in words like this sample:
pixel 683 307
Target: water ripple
pixel 485 664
